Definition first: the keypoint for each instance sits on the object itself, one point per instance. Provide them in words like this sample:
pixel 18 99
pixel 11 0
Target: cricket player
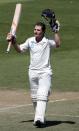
pixel 40 71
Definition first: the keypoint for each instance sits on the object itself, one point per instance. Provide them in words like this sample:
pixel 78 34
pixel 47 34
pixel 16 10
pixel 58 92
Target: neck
pixel 38 39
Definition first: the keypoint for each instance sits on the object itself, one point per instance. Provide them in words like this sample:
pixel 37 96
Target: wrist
pixel 13 40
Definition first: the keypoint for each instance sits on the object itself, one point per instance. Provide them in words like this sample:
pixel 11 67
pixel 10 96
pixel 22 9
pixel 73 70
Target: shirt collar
pixel 42 41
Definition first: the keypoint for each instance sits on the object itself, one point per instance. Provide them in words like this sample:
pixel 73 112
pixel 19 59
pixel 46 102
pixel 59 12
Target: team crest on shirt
pixel 32 44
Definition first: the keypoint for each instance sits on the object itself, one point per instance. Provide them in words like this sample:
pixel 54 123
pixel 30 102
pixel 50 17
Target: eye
pixel 34 29
pixel 38 29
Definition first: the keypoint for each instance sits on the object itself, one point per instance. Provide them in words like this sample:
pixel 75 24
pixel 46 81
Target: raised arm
pixel 12 39
pixel 49 16
pixel 55 28
pixel 57 39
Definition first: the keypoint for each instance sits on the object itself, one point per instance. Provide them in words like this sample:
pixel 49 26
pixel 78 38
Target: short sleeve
pixel 52 43
pixel 24 46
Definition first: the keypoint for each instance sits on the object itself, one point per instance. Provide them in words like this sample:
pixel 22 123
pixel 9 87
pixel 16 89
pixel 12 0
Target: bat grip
pixel 9 47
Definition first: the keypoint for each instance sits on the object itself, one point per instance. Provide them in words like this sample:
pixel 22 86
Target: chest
pixel 38 47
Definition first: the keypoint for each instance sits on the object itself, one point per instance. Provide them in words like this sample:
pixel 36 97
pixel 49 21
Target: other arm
pixel 55 28
pixel 57 39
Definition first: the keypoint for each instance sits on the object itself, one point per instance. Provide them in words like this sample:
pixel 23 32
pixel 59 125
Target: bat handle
pixel 9 47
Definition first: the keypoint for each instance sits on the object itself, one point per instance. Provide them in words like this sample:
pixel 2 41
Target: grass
pixel 59 117
pixel 65 61
pixel 11 67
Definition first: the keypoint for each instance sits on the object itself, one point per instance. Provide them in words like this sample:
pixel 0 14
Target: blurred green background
pixel 65 60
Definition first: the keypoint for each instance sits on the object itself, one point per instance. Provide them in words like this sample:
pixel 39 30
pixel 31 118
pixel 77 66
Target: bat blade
pixel 15 22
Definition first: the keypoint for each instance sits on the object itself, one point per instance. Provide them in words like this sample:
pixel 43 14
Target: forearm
pixel 57 39
pixel 17 47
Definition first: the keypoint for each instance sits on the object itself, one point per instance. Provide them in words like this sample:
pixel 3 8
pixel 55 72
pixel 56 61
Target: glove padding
pixel 55 26
pixel 48 13
pixel 49 16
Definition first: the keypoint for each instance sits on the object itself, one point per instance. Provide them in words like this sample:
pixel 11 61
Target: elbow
pixel 57 44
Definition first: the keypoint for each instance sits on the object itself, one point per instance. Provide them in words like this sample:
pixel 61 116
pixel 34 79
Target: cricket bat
pixel 15 22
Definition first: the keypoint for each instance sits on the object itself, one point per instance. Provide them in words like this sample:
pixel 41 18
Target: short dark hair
pixel 42 25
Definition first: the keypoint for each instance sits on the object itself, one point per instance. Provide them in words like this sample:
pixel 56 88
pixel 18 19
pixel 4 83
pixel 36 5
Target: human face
pixel 38 33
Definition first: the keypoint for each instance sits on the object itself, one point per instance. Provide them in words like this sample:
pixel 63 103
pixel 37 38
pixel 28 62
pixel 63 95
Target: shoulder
pixel 50 41
pixel 28 40
pixel 47 39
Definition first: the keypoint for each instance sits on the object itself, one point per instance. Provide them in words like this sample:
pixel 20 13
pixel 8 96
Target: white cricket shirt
pixel 39 52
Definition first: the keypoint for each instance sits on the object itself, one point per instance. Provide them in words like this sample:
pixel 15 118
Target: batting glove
pixel 11 38
pixel 55 26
